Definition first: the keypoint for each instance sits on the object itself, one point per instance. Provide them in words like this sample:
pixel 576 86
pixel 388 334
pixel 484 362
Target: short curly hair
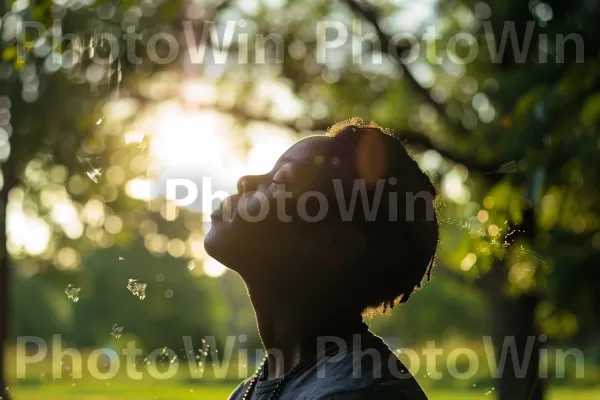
pixel 400 252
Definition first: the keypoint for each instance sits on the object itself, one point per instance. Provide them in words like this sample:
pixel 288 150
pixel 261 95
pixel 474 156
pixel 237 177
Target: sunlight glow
pixel 213 268
pixel 267 146
pixel 25 233
pixel 142 189
pixel 66 215
pixel 454 188
pixel 205 143
pixel 187 139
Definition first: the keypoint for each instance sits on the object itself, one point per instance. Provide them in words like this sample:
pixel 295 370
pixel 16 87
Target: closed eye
pixel 281 177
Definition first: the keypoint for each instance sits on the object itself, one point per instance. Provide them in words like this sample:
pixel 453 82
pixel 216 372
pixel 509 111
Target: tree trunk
pixel 514 334
pixel 4 274
pixel 5 280
pixel 514 324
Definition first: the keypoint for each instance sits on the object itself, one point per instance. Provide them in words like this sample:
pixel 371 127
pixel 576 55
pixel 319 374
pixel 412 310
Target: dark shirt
pixel 367 369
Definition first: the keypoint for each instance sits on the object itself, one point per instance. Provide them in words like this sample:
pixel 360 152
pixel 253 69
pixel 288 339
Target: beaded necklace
pixel 286 378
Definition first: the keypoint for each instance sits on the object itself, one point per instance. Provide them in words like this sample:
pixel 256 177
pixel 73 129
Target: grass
pixel 36 384
pixel 163 391
pixel 101 391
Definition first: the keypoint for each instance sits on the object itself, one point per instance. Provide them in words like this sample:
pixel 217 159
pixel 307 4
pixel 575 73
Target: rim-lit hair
pixel 402 253
pixel 358 123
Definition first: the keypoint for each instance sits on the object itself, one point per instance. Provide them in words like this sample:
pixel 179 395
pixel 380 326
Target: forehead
pixel 308 149
pixel 319 158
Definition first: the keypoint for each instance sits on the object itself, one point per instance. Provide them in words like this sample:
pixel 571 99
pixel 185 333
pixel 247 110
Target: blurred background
pixel 102 101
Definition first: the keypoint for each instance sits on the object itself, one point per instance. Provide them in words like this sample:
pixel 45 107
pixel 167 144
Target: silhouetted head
pixel 346 219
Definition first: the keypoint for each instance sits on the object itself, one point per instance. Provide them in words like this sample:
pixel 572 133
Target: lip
pixel 217 214
pixel 225 209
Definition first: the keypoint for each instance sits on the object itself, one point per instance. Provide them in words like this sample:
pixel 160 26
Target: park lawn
pixel 112 391
pixel 161 391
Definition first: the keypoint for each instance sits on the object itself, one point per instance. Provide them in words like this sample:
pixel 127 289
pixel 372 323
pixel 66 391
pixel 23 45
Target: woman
pixel 343 225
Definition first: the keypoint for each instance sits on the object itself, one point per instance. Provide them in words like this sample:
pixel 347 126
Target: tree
pixel 52 100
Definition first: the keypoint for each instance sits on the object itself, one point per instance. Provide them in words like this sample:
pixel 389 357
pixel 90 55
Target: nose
pixel 247 183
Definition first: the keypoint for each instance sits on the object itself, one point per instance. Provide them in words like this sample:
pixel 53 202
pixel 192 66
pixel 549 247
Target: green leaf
pixel 590 113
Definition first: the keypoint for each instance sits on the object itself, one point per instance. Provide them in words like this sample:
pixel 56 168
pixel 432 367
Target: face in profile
pixel 284 217
pixel 345 214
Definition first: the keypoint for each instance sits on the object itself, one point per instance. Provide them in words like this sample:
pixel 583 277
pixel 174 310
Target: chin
pixel 235 246
pixel 219 246
pixel 212 243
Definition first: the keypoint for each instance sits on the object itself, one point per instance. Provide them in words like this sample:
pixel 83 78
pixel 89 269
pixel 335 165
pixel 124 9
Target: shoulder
pixel 238 392
pixel 366 369
pixel 383 391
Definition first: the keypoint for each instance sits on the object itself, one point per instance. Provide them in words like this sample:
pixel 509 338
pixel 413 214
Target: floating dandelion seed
pixel 191 265
pixel 72 293
pixel 99 121
pixel 94 175
pixel 91 171
pixel 121 259
pixel 137 288
pixel 116 330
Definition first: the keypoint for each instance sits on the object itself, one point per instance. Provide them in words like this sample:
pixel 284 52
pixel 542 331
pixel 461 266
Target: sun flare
pixel 209 144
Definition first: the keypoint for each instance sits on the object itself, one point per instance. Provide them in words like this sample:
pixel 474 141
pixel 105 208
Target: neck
pixel 290 329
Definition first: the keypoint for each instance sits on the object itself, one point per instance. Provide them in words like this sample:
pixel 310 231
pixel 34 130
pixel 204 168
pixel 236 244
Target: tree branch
pixel 408 136
pixel 369 13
